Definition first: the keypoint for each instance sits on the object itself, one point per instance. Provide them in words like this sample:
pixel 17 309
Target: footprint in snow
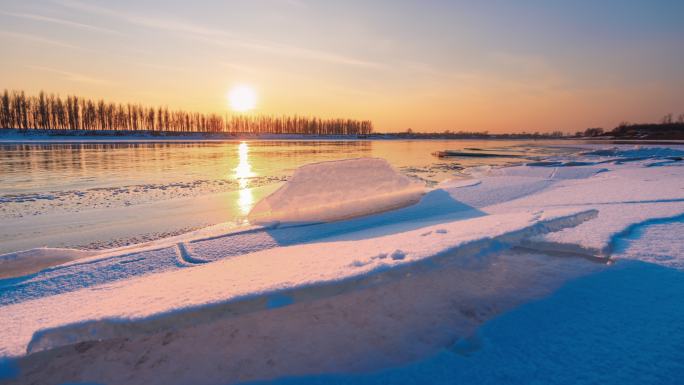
pixel 358 263
pixel 398 255
pixel 380 256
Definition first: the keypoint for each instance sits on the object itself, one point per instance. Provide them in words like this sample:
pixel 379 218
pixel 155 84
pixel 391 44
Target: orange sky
pixel 429 66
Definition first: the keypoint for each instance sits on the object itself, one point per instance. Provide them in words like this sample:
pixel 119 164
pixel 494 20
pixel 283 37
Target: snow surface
pixel 475 243
pixel 656 241
pixel 633 335
pixel 624 197
pixel 174 288
pixel 335 190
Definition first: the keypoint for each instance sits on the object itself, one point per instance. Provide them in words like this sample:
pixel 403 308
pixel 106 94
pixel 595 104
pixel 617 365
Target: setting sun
pixel 242 98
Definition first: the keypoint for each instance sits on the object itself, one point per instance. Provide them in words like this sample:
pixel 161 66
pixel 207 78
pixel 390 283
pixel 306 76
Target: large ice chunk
pixel 335 190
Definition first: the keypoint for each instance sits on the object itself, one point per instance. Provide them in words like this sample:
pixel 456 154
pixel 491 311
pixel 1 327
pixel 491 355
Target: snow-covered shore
pixel 356 295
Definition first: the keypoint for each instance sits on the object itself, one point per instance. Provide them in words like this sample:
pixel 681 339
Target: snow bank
pixel 387 319
pixel 335 190
pixel 248 276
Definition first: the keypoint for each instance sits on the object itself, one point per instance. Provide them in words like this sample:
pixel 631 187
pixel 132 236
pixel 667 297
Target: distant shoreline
pixel 9 135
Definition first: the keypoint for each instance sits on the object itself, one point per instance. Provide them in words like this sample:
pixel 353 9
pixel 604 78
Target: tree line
pixel 51 112
pixel 668 128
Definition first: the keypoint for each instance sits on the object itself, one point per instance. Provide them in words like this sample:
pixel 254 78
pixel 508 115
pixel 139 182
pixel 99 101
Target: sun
pixel 242 98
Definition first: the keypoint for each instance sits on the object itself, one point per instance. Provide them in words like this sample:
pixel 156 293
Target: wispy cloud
pixel 288 50
pixel 38 39
pixel 144 21
pixel 221 37
pixel 72 76
pixel 296 3
pixel 68 23
pixel 242 68
pixel 162 67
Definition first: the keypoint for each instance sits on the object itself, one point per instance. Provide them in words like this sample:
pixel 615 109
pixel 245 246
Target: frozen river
pixel 582 234
pixel 99 194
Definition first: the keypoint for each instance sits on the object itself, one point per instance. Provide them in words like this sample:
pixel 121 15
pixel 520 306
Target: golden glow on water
pixel 243 172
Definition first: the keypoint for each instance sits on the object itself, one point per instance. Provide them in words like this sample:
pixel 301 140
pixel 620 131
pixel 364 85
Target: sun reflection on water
pixel 243 172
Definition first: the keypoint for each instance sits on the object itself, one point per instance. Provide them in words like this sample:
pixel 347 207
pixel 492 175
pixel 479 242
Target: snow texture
pixel 174 288
pixel 551 342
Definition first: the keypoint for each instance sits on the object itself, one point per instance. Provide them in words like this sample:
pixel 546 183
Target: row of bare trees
pixel 19 111
pixel 298 125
